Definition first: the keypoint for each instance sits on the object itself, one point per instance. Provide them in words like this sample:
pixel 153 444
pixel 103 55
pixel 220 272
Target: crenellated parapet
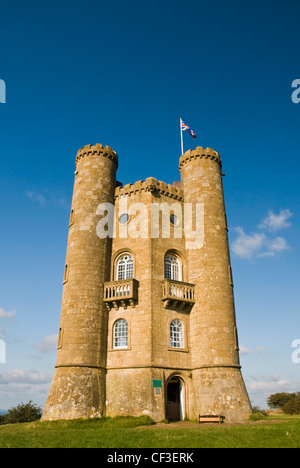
pixel 97 149
pixel 200 153
pixel 150 185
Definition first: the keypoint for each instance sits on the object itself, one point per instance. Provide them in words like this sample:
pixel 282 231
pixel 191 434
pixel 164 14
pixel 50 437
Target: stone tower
pixel 148 320
pixel 78 388
pixel 217 377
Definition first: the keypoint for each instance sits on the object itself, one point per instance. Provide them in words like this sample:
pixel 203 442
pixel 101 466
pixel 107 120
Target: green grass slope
pixel 283 432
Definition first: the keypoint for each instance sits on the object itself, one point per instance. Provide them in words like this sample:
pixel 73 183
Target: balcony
pixel 121 293
pixel 177 295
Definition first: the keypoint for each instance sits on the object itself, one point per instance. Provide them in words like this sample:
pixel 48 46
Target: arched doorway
pixel 175 400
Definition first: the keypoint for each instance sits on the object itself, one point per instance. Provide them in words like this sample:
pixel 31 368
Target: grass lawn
pixel 275 432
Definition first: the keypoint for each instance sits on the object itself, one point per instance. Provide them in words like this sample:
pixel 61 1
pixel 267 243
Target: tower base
pixel 76 392
pixel 221 390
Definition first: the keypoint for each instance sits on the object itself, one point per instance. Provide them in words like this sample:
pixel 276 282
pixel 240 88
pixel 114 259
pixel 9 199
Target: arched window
pixel 176 334
pixel 124 267
pixel 172 267
pixel 120 334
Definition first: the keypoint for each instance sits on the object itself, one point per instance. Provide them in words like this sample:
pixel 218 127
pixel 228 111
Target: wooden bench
pixel 211 418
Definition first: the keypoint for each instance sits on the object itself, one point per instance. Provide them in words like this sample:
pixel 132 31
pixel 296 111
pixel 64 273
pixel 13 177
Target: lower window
pixel 120 335
pixel 176 334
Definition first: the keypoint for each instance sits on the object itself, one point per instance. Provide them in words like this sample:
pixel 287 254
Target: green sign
pixel 157 383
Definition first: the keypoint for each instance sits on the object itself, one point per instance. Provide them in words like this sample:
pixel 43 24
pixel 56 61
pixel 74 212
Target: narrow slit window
pixel 66 274
pixel 60 337
pixel 71 218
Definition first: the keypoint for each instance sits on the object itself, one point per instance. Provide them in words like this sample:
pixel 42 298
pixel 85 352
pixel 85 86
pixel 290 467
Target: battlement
pixel 98 149
pixel 200 153
pixel 150 185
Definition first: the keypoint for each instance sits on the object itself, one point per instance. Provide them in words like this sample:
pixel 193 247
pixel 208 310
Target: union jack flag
pixel 185 127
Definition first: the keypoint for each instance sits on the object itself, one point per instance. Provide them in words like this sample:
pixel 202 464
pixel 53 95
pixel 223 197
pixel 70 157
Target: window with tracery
pixel 176 334
pixel 120 334
pixel 124 267
pixel 172 267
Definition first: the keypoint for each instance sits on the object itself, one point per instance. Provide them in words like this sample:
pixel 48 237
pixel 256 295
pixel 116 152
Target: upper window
pixel 125 267
pixel 124 218
pixel 176 334
pixel 120 338
pixel 174 220
pixel 172 268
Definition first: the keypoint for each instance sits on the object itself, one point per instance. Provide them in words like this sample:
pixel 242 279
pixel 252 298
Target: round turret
pixel 199 153
pixel 78 388
pixel 214 343
pixel 97 150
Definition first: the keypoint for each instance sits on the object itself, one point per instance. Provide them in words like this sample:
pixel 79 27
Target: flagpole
pixel 181 135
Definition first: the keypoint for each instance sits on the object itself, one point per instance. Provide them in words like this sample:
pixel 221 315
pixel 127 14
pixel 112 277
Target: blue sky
pixel 122 73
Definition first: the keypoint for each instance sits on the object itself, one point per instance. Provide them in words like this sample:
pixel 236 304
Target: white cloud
pixel 269 386
pixel 36 197
pixel 248 246
pixel 273 384
pixel 274 223
pixel 259 349
pixel 279 244
pixel 49 343
pixel 274 247
pixel 261 387
pixel 244 350
pixel 19 385
pixel 8 315
pixel 19 376
pixel 260 244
